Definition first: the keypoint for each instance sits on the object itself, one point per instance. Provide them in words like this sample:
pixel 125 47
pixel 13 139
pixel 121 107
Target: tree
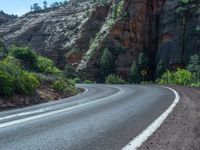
pixel 135 73
pixel 36 7
pixel 142 60
pixel 194 67
pixel 55 4
pixel 106 62
pixel 143 66
pixel 45 4
pixel 160 69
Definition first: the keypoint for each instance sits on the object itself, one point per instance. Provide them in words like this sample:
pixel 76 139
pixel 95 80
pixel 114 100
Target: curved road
pixel 105 117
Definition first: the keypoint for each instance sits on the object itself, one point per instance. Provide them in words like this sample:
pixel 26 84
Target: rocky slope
pixel 78 34
pixel 4 18
pixel 155 28
pixel 56 32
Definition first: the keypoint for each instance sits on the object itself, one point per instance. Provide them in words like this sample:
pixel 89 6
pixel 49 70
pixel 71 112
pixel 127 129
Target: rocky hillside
pixel 57 32
pixel 166 30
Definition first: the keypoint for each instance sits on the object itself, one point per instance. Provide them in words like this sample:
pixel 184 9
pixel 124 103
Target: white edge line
pixel 6 124
pixel 42 110
pixel 144 135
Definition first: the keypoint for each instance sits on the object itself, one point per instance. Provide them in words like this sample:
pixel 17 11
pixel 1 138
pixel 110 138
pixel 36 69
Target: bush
pixel 180 77
pixel 196 84
pixel 88 82
pixel 26 83
pixel 3 50
pixel 70 72
pixel 7 84
pixel 10 65
pixel 135 73
pixel 64 86
pixel 114 79
pixel 194 67
pixel 45 65
pixel 28 56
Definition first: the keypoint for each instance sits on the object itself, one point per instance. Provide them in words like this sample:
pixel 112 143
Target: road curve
pixel 105 117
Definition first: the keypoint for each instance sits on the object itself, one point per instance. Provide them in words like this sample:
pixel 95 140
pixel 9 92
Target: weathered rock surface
pixel 54 33
pixel 4 18
pixel 149 26
pixel 154 28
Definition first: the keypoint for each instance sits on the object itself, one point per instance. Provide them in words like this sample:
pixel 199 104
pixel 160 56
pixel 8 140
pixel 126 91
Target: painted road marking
pixel 6 124
pixel 144 135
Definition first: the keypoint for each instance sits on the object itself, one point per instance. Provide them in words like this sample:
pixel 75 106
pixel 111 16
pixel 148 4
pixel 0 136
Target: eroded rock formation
pixel 150 26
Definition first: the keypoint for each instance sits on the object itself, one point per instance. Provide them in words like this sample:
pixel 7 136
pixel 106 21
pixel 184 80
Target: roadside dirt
pixel 181 130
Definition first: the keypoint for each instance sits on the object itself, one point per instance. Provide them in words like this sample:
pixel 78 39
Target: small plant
pixel 64 86
pixel 135 73
pixel 194 67
pixel 28 56
pixel 7 84
pixel 114 79
pixel 26 83
pixel 88 82
pixel 180 77
pixel 46 65
pixel 70 72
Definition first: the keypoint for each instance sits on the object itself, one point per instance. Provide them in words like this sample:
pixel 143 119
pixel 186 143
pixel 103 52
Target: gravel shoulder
pixel 181 130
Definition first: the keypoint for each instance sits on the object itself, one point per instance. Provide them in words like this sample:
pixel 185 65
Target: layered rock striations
pixel 78 35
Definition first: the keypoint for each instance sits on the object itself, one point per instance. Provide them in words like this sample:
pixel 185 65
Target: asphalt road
pixel 104 117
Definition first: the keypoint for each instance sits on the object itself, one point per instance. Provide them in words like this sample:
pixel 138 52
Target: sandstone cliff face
pixel 154 28
pixel 177 40
pixel 149 26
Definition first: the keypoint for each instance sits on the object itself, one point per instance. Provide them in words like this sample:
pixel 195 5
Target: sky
pixel 20 7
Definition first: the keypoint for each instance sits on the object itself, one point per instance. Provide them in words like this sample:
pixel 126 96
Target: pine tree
pixel 160 69
pixel 194 67
pixel 135 73
pixel 106 62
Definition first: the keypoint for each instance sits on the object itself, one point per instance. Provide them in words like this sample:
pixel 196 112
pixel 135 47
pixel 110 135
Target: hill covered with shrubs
pixel 23 72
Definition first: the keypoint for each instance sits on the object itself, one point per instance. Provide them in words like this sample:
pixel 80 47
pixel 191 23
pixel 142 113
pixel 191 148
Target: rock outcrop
pixel 57 33
pixel 153 27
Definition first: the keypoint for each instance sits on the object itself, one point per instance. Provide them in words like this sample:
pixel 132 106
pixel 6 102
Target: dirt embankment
pixel 181 130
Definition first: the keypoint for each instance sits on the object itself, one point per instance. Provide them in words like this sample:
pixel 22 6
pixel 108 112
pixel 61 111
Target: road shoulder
pixel 181 130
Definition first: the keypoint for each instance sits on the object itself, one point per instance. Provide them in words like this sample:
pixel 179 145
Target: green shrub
pixel 88 82
pixel 6 84
pixel 10 65
pixel 197 84
pixel 26 83
pixel 70 71
pixel 114 79
pixel 28 56
pixel 46 65
pixel 194 67
pixel 64 86
pixel 3 50
pixel 135 73
pixel 166 78
pixel 180 77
